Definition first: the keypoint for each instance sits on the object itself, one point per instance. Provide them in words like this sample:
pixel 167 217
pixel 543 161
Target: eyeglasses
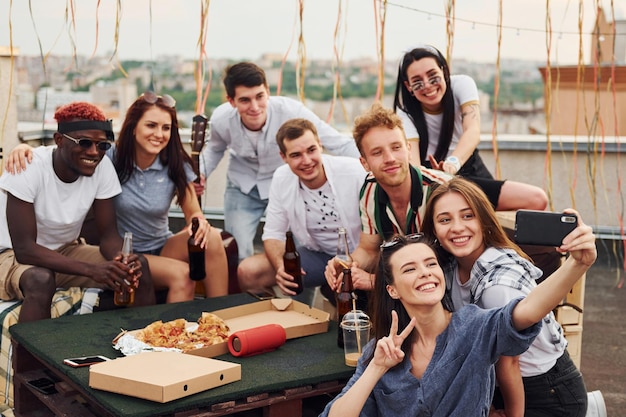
pixel 87 143
pixel 420 85
pixel 151 98
pixel 414 237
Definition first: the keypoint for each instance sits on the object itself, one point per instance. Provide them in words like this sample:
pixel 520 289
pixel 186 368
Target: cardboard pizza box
pixel 162 376
pixel 298 320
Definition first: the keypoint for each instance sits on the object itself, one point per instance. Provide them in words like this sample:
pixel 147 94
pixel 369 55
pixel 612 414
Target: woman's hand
pixel 204 229
pixel 580 242
pixel 388 349
pixel 19 158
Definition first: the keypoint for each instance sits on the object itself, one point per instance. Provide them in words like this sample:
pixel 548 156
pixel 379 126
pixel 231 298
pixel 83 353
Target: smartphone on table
pixel 262 294
pixel 543 228
pixel 85 361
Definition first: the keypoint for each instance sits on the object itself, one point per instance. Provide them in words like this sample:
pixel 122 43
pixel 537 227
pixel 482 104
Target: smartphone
pixel 262 294
pixel 85 361
pixel 43 385
pixel 543 228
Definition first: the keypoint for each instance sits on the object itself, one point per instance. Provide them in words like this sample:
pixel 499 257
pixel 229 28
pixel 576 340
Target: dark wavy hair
pixel 173 155
pixel 407 102
pixel 382 304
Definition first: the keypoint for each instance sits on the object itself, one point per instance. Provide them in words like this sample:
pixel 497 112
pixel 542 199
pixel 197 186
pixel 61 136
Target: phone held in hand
pixel 543 228
pixel 85 361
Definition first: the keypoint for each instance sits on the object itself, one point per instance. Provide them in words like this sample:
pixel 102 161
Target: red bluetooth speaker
pixel 257 340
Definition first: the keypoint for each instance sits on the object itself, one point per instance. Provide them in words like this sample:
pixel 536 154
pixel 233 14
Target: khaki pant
pixel 11 271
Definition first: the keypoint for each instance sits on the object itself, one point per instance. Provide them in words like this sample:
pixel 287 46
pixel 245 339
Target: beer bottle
pixel 197 270
pixel 346 301
pixel 342 259
pixel 291 262
pixel 124 297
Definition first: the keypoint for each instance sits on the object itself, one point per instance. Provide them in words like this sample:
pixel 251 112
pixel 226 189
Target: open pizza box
pixel 296 318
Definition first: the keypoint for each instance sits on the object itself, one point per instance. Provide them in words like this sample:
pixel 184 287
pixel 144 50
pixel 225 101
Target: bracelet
pixel 454 162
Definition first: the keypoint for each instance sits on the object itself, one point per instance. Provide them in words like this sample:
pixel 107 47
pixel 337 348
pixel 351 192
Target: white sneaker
pixel 595 404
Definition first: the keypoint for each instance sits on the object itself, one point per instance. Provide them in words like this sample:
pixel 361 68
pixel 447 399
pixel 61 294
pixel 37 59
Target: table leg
pixel 288 408
pixel 24 401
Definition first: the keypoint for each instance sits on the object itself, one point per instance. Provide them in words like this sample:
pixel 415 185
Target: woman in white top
pixel 442 113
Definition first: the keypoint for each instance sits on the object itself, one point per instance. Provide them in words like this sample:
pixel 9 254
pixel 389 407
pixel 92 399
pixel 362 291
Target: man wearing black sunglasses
pixel 45 207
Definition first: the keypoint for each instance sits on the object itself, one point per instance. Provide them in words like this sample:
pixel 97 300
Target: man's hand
pixel 286 282
pixel 199 186
pixel 116 274
pixel 361 279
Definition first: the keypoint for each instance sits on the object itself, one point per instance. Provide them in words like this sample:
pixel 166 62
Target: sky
pixel 245 29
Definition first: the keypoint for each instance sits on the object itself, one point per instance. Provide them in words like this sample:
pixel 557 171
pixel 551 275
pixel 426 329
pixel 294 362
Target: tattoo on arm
pixel 472 111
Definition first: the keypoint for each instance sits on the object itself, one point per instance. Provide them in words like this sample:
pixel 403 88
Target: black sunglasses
pixel 152 98
pixel 414 237
pixel 87 143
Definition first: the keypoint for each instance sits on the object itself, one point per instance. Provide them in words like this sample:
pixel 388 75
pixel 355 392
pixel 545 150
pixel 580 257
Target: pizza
pixel 177 334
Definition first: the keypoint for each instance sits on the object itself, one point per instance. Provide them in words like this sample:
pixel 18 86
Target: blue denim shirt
pixel 460 377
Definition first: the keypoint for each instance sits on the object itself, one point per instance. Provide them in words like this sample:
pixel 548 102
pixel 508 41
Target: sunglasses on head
pixel 151 98
pixel 414 237
pixel 87 143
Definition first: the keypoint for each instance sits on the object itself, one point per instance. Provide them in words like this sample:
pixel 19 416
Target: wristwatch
pixel 454 161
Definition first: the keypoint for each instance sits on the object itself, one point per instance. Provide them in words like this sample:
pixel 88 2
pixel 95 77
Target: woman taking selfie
pixel 426 360
pixel 485 268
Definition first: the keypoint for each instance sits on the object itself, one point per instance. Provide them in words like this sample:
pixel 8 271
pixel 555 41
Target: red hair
pixel 79 110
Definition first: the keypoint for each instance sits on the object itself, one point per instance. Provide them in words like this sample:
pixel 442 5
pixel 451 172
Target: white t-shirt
pixel 322 217
pixel 465 91
pixel 60 208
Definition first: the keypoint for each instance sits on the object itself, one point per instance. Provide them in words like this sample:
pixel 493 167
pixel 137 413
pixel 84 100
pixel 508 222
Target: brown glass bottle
pixel 291 262
pixel 123 297
pixel 346 301
pixel 197 271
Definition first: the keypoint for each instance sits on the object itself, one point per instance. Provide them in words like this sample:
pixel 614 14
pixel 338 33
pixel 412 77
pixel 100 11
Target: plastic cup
pixel 356 327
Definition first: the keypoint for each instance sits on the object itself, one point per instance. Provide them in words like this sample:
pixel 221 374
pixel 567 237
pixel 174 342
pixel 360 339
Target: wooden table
pixel 276 381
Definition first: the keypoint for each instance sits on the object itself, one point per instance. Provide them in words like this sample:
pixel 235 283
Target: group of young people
pixel 445 305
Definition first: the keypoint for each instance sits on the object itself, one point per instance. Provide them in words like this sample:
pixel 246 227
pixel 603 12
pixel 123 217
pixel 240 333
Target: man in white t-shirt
pixel 45 207
pixel 312 195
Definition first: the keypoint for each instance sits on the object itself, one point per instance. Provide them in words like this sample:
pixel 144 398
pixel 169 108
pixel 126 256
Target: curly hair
pixel 79 110
pixel 376 116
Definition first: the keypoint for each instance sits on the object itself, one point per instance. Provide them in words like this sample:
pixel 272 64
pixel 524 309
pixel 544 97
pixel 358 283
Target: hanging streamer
pixel 202 64
pixel 496 95
pixel 279 84
pixel 380 13
pixel 619 196
pixel 548 106
pixel 450 20
pixel 116 37
pixel 336 68
pixel 301 62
